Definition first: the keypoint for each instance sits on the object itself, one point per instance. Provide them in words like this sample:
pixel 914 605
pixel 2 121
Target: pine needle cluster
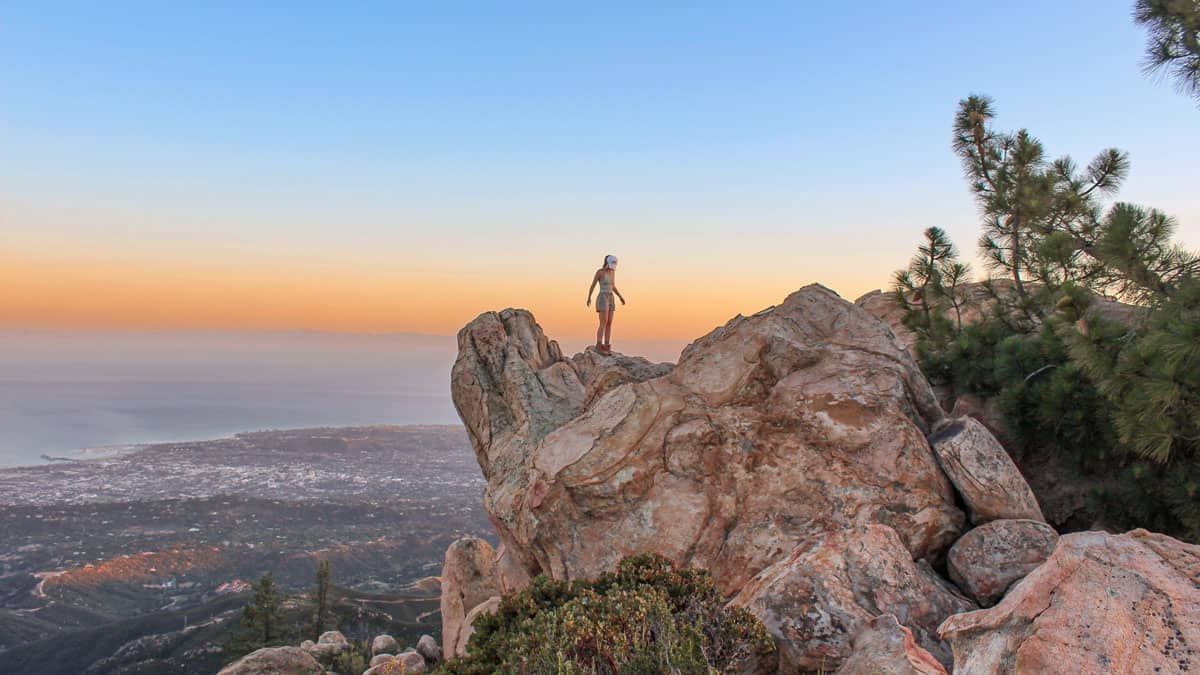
pixel 1173 45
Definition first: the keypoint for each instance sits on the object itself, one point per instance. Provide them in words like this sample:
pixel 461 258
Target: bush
pixel 352 661
pixel 646 617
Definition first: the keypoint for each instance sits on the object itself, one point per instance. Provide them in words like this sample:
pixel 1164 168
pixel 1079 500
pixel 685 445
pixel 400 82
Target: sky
pixel 379 167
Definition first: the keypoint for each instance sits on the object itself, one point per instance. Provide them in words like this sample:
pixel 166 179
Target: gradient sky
pixel 379 167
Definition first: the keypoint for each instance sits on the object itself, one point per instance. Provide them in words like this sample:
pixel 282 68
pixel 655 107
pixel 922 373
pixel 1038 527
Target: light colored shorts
pixel 605 302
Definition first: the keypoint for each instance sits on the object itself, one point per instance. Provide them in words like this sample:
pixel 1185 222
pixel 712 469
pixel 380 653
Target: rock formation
pixel 774 433
pixel 1100 604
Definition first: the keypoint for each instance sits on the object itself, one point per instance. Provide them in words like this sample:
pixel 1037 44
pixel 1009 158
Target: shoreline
pixel 100 453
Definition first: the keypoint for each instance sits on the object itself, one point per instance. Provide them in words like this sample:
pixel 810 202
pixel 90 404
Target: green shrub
pixel 352 661
pixel 646 617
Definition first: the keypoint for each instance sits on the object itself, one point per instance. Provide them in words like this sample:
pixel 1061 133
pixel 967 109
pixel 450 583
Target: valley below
pixel 133 563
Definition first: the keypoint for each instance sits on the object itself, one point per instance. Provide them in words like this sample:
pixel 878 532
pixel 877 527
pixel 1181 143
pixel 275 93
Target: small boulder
pixel 275 661
pixel 884 647
pixel 330 643
pixel 1102 603
pixel 428 648
pixel 384 644
pixel 990 558
pixel 380 659
pixel 333 637
pixel 985 476
pixel 411 661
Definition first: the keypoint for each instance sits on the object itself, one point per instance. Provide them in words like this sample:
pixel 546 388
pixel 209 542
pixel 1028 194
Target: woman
pixel 605 305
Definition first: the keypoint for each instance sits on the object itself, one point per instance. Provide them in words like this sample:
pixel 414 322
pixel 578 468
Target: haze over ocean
pixel 64 391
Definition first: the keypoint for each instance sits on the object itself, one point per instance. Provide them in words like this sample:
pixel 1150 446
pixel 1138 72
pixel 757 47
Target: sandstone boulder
pixel 816 599
pixel 333 637
pixel 384 644
pixel 988 559
pixel 772 430
pixel 329 643
pixel 984 474
pixel 469 577
pixel 884 647
pixel 428 648
pixel 1101 603
pixel 275 661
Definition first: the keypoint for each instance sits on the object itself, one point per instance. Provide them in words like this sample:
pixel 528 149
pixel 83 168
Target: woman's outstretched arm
pixel 618 292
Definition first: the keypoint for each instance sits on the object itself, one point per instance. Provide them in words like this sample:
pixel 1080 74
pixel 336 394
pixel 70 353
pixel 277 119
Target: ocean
pixel 65 392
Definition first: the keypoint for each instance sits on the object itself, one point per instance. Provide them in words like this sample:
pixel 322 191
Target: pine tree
pixel 267 600
pixel 1119 399
pixel 321 609
pixel 932 286
pixel 259 623
pixel 1040 217
pixel 1174 42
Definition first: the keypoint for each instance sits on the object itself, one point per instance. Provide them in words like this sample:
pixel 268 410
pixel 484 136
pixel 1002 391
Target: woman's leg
pixel 600 327
pixel 608 317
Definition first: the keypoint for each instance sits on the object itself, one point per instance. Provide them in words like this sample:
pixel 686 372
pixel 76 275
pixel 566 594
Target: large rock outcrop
pixel 1101 603
pixel 775 434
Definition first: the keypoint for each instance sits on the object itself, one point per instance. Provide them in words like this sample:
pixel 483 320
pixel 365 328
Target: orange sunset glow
pixel 180 294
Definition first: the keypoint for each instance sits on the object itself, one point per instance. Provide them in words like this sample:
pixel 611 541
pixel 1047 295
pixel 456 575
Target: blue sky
pixel 767 135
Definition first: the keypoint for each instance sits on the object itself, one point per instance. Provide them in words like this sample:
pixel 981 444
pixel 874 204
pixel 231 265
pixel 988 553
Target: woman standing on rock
pixel 606 276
